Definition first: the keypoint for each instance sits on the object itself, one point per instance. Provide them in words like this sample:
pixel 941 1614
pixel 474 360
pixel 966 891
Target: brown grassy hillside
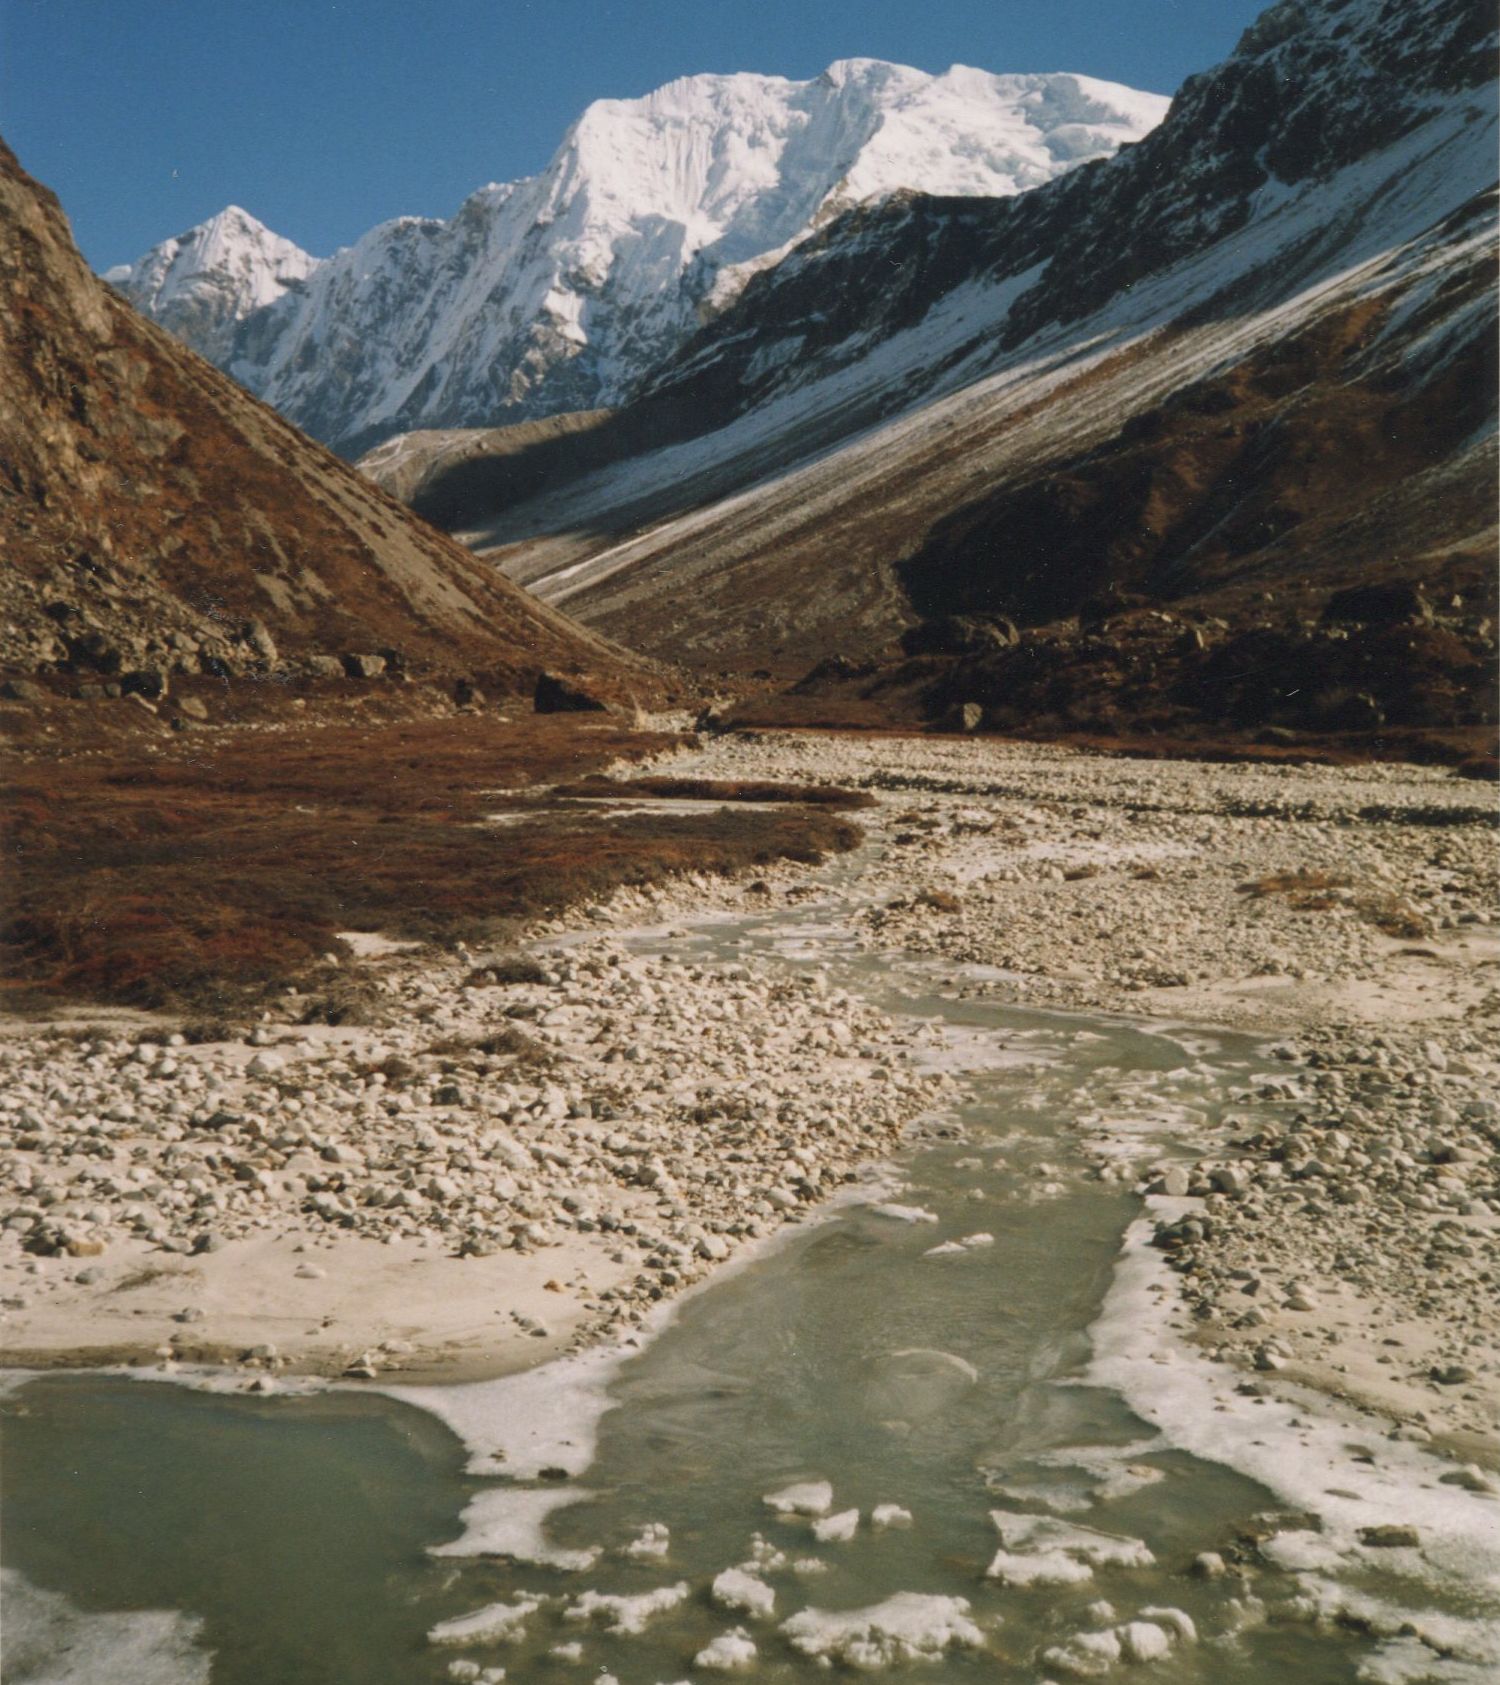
pixel 157 519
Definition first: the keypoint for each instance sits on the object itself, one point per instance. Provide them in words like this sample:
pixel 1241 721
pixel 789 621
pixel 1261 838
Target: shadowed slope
pixel 1248 360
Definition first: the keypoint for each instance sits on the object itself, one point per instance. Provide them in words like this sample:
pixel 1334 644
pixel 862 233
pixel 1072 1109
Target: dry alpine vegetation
pixel 222 871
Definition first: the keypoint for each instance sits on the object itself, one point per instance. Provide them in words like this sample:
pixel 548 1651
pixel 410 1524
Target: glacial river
pixel 153 1533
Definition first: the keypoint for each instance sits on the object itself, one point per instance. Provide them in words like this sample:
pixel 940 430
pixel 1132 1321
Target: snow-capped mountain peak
pixel 563 290
pixel 203 283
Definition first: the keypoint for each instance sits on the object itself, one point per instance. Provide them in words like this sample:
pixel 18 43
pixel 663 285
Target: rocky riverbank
pixel 526 1156
pixel 529 1152
pixel 1346 1232
pixel 1343 1228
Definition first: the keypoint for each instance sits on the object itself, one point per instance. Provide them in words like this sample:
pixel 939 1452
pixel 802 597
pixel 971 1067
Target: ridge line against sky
pixel 325 117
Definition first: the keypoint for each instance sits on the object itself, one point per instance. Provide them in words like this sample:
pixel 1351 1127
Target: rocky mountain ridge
pixel 562 291
pixel 164 529
pixel 1247 362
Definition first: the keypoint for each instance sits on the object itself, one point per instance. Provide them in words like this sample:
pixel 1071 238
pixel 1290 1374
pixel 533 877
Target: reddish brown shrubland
pixel 1308 891
pixel 228 867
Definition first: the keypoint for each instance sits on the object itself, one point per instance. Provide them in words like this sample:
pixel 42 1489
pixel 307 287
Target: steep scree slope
pixel 157 519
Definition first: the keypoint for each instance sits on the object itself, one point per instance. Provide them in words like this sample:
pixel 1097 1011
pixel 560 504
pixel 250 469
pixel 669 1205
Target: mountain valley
pixel 789 834
pixel 1296 306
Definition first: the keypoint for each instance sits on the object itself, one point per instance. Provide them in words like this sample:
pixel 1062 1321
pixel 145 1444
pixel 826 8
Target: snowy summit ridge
pixel 561 291
pixel 203 283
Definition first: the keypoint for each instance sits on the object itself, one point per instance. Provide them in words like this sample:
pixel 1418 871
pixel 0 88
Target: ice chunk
pixel 493 1624
pixel 743 1592
pixel 837 1529
pixel 765 1558
pixel 654 1540
pixel 889 1515
pixel 1175 1620
pixel 730 1652
pixel 1087 1655
pixel 904 1213
pixel 1029 1534
pixel 957 1248
pixel 1037 1568
pixel 1151 1637
pixel 471 1673
pixel 809 1497
pixel 627 1615
pixel 911 1626
pixel 1144 1641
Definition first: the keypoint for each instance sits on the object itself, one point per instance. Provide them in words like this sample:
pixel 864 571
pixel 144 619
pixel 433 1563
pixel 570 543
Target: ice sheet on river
pixel 51 1641
pixel 512 1521
pixel 917 1382
pixel 1308 1454
pixel 521 1424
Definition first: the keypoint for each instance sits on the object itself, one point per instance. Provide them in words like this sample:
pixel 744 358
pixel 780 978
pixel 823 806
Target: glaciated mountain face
pixel 1313 87
pixel 560 292
pixel 201 285
pixel 1230 371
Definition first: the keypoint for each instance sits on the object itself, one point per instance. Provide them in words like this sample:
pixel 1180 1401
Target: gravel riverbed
pixel 558 1152
pixel 526 1157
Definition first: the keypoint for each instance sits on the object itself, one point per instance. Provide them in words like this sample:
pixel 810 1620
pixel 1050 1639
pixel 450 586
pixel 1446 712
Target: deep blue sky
pixel 323 117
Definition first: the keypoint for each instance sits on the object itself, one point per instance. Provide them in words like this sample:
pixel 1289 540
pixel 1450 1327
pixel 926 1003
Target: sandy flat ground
pixel 403 1306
